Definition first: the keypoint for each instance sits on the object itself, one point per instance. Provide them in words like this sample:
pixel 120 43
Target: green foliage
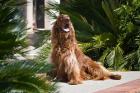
pixel 114 58
pixel 41 37
pixel 22 77
pixel 45 49
pixel 129 19
pixel 12 28
pixel 44 53
pixel 43 56
pixel 108 28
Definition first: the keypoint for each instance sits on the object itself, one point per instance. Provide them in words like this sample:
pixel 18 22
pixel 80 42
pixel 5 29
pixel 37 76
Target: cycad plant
pixel 17 76
pixel 108 30
pixel 12 28
pixel 21 77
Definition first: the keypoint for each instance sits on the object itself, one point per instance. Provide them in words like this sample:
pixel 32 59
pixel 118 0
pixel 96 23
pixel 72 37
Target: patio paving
pixel 131 80
pixel 130 87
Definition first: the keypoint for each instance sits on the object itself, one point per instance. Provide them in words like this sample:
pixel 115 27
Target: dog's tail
pixel 115 76
pixel 109 74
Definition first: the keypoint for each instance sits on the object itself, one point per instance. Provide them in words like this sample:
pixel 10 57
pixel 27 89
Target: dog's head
pixel 63 30
pixel 63 23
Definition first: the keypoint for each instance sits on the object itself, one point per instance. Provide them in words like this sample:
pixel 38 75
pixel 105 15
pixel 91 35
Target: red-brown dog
pixel 71 63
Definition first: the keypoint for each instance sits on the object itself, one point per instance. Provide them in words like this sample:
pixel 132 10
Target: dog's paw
pixel 75 82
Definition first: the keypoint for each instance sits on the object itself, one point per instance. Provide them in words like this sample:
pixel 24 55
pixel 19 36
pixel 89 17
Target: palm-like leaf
pixel 115 58
pixel 12 28
pixel 21 76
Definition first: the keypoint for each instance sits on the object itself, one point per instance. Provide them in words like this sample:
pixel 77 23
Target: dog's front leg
pixel 74 78
pixel 72 69
pixel 61 76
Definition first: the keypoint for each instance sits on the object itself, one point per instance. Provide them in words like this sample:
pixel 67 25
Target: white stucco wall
pixel 30 18
pixel 48 20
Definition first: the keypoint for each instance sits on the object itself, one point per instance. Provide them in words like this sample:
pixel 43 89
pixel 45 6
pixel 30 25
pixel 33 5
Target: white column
pixel 48 25
pixel 48 20
pixel 30 16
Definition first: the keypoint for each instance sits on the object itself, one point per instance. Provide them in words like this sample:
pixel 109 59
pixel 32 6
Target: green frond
pixel 12 28
pixel 22 76
pixel 115 58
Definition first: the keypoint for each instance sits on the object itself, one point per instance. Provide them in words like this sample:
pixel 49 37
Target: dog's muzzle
pixel 65 28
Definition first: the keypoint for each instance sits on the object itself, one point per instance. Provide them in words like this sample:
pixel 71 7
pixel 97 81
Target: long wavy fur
pixel 72 65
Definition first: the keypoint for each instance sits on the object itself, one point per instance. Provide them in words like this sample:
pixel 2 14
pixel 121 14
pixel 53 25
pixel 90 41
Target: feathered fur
pixel 72 65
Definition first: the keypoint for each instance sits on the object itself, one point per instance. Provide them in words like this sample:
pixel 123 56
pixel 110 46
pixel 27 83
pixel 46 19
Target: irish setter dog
pixel 72 65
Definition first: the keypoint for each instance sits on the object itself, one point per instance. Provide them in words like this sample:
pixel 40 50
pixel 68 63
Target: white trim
pixel 29 16
pixel 47 19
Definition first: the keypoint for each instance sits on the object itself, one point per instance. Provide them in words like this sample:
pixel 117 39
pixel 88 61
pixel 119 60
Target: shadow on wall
pixel 38 38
